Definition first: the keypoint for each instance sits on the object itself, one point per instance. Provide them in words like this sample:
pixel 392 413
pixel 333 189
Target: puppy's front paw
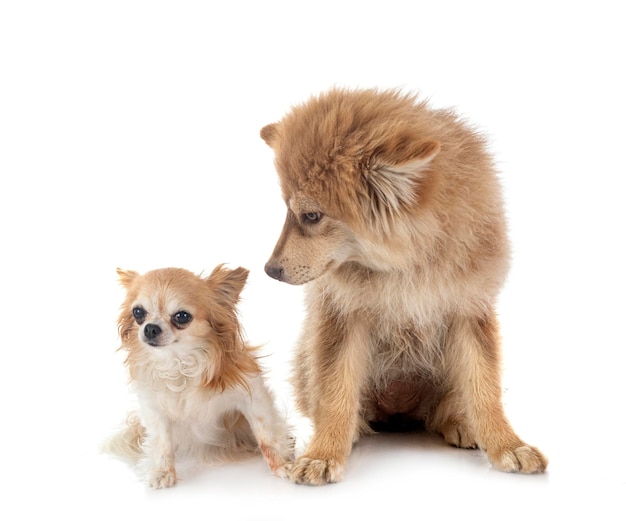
pixel 162 478
pixel 524 459
pixel 310 471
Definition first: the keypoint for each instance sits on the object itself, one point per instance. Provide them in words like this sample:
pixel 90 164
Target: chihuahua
pixel 200 390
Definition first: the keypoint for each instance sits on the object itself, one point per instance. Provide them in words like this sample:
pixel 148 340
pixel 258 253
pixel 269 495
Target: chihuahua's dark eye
pixel 311 217
pixel 181 318
pixel 139 314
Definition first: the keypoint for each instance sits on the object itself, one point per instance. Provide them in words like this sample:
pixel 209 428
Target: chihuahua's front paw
pixel 274 459
pixel 310 471
pixel 162 478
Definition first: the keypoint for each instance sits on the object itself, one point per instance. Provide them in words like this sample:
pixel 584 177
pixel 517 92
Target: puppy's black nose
pixel 151 331
pixel 276 272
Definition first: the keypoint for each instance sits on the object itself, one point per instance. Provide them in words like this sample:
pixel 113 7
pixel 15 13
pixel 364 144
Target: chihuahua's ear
pixel 270 134
pixel 227 283
pixel 126 276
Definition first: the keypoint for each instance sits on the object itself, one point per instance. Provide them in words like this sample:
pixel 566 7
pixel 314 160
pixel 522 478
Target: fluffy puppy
pixel 395 224
pixel 200 389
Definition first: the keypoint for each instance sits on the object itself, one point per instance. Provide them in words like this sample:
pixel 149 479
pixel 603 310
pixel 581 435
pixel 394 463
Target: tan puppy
pixel 200 390
pixel 395 221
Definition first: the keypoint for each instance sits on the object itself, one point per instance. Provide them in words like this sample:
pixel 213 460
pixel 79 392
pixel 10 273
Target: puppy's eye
pixel 139 314
pixel 181 318
pixel 311 217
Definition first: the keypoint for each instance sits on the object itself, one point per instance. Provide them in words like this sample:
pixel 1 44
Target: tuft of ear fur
pixel 234 359
pixel 227 284
pixel 125 322
pixel 270 134
pixel 392 186
pixel 126 276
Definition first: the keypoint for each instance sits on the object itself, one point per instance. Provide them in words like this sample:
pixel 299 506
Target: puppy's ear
pixel 126 276
pixel 392 182
pixel 227 284
pixel 270 134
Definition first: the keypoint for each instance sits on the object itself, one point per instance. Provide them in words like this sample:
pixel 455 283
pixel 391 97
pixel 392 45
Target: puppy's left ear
pixel 126 276
pixel 393 181
pixel 227 283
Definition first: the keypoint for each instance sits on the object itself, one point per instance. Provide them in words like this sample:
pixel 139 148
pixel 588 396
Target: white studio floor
pixel 390 475
pixel 129 137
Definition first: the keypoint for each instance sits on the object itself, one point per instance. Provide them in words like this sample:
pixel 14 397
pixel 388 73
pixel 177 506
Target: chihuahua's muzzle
pixel 151 332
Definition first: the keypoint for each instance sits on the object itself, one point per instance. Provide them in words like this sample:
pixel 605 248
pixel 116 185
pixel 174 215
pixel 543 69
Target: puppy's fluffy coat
pixel 395 222
pixel 200 389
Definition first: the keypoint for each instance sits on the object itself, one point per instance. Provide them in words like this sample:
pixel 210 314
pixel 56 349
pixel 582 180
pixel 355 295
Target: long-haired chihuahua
pixel 200 390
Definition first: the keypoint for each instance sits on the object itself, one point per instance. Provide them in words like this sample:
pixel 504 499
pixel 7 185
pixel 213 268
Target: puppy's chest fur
pixel 407 337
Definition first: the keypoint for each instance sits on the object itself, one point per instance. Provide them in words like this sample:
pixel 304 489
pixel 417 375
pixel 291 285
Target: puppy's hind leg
pixel 473 366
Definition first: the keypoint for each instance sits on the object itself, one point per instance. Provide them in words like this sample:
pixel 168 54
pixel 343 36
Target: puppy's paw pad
pixel 310 471
pixel 523 459
pixel 162 479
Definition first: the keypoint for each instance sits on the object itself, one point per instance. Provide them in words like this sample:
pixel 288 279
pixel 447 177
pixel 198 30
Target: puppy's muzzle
pixel 151 332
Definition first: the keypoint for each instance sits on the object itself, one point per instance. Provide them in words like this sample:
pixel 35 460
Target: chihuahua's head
pixel 171 313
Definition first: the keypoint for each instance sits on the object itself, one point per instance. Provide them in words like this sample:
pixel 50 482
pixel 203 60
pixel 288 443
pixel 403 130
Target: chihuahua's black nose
pixel 276 272
pixel 151 331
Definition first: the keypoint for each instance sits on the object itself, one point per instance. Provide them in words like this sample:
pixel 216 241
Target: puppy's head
pixel 169 313
pixel 351 164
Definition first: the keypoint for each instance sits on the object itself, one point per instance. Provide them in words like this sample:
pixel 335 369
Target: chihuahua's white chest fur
pixel 200 422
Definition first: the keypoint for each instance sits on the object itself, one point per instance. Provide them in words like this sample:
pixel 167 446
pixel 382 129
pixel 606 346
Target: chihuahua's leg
pixel 161 472
pixel 268 427
pixel 338 353
pixel 474 369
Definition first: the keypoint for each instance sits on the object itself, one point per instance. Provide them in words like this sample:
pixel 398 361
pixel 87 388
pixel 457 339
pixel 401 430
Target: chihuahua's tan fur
pixel 395 223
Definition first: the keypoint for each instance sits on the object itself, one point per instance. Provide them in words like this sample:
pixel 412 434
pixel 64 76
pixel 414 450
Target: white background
pixel 129 136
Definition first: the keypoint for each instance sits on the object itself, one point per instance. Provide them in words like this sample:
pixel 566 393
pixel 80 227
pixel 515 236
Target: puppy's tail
pixel 128 442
